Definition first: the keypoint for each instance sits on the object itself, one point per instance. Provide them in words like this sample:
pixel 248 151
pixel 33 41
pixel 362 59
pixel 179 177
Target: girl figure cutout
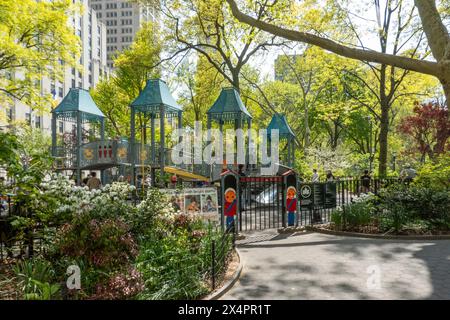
pixel 291 204
pixel 230 205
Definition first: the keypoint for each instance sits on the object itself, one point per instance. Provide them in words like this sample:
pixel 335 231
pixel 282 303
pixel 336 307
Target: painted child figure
pixel 230 205
pixel 291 204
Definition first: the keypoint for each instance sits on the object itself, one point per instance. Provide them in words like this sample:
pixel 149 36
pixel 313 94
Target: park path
pixel 319 266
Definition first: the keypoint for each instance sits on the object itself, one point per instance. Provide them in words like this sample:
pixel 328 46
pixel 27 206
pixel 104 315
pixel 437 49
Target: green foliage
pixel 175 260
pixel 34 37
pixel 134 66
pixel 35 280
pixel 435 175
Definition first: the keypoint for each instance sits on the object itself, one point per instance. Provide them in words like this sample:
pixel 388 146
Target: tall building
pixel 122 19
pixel 93 66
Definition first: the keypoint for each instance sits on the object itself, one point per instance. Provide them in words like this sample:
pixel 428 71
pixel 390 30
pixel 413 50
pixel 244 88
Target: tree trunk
pixel 307 130
pixel 383 139
pixel 445 81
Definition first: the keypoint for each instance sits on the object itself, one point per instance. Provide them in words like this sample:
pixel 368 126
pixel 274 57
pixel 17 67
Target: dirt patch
pixel 8 284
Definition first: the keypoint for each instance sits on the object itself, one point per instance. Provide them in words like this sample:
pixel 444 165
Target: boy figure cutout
pixel 291 204
pixel 230 205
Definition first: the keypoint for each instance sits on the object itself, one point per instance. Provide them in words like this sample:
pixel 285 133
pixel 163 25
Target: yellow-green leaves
pixel 35 38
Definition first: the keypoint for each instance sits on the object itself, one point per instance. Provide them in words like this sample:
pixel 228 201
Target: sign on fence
pixel 198 201
pixel 319 195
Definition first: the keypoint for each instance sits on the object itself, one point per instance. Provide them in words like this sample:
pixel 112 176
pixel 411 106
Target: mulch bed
pixel 374 230
pixel 8 285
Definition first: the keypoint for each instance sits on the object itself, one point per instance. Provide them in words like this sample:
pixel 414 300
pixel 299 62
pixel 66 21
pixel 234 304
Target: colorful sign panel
pixel 197 201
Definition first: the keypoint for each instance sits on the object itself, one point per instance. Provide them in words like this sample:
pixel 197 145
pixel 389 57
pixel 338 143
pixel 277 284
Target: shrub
pixel 402 204
pixel 435 175
pixel 35 279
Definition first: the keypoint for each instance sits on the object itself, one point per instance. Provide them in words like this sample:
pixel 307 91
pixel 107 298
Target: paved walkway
pixel 318 266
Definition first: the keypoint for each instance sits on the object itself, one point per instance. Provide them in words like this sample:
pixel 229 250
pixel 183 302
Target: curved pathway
pixel 319 266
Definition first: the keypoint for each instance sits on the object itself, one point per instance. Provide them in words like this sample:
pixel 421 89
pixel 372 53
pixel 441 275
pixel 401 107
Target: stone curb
pixel 378 236
pixel 229 284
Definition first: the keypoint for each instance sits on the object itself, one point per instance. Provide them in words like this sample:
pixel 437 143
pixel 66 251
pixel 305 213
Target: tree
pixel 208 28
pixel 429 128
pixel 202 84
pixel 134 66
pixel 391 21
pixel 36 41
pixel 430 22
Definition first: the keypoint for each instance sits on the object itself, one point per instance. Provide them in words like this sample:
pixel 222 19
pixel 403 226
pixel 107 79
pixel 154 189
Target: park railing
pixel 336 194
pixel 221 253
pixel 14 242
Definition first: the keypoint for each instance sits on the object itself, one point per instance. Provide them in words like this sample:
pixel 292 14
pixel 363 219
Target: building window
pixel 9 114
pixel 80 84
pixel 61 92
pixel 60 127
pixel 37 122
pixel 73 83
pixel 28 118
pixel 90 79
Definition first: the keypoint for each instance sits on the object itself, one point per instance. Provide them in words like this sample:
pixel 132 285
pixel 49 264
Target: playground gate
pixel 263 202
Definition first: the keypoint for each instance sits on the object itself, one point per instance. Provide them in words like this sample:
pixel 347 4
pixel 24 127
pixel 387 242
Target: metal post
pixel 222 215
pixel 162 116
pixel 79 142
pixel 208 141
pixel 289 152
pixel 53 134
pixel 213 263
pixel 132 146
pixel 152 137
pixel 283 203
pixel 249 127
pixel 102 138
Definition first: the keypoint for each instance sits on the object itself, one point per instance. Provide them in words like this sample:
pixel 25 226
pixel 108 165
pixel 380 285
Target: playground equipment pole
pixel 102 138
pixel 142 158
pixel 133 155
pixel 162 115
pixel 53 134
pixel 79 141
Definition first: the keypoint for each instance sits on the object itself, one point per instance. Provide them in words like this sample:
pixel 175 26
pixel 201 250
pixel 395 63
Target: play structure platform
pixel 155 110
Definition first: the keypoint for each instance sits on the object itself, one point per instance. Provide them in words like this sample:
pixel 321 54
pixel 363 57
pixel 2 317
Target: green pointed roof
pixel 78 99
pixel 279 122
pixel 155 93
pixel 228 106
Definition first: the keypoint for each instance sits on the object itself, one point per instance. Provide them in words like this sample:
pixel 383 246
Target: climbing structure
pixel 137 156
pixel 285 133
pixel 75 152
pixel 229 108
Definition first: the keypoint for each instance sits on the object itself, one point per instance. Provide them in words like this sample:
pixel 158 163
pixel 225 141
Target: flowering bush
pixel 121 285
pixel 124 249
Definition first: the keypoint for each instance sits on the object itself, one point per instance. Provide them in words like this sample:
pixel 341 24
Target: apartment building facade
pixel 122 20
pixel 92 68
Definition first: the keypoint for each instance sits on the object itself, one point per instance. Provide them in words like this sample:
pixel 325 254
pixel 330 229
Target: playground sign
pixel 197 201
pixel 318 195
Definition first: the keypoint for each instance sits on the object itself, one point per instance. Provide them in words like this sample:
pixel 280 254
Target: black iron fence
pixel 262 200
pixel 221 253
pixel 17 242
pixel 327 196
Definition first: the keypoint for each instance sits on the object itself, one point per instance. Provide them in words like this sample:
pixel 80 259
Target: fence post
pixel 233 239
pixel 213 262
